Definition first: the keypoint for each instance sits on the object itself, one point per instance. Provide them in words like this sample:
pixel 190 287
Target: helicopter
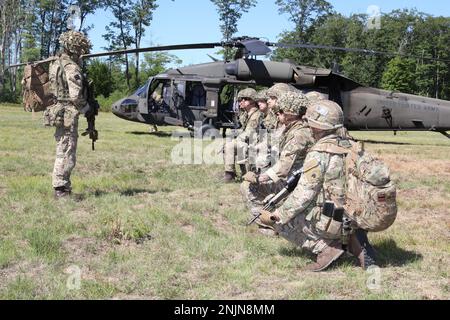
pixel 207 92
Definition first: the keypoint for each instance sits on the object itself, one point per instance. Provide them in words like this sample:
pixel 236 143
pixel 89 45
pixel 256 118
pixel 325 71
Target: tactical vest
pixel 58 79
pixel 292 132
pixel 334 184
pixel 250 116
pixel 370 195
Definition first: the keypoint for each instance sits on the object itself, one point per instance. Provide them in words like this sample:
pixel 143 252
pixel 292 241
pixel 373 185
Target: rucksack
pixel 36 88
pixel 370 193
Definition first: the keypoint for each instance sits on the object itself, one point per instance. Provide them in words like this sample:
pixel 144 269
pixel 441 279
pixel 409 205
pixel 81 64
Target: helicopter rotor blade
pixel 354 50
pixel 211 45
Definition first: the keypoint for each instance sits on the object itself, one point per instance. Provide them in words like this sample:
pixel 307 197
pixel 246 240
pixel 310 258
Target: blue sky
pixel 192 21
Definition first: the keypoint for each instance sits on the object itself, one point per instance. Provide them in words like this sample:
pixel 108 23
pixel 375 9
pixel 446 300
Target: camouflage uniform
pixel 323 179
pixel 68 86
pixel 270 120
pixel 295 142
pixel 323 176
pixel 245 140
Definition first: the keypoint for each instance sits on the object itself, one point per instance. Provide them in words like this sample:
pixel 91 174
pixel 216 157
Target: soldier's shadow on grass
pixel 386 142
pixel 390 255
pixel 125 192
pixel 156 133
pixel 296 253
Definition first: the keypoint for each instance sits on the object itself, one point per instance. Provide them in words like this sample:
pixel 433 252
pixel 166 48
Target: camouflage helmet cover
pixel 325 115
pixel 277 89
pixel 75 42
pixel 293 103
pixel 247 93
pixel 262 95
pixel 314 96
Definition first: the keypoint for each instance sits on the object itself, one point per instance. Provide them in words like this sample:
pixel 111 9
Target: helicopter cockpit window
pixel 196 94
pixel 142 91
pixel 159 98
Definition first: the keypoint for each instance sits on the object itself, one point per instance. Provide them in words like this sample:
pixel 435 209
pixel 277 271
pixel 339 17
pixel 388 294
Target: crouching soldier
pixel 311 217
pixel 295 142
pixel 238 147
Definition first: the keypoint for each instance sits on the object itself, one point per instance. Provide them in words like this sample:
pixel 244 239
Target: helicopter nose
pixel 125 109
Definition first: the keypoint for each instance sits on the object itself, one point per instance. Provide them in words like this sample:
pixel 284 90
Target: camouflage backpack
pixel 370 193
pixel 36 88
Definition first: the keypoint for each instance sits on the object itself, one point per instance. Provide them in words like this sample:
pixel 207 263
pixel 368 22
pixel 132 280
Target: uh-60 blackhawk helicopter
pixel 206 92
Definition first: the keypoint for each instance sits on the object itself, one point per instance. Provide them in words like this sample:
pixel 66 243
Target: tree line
pixel 30 29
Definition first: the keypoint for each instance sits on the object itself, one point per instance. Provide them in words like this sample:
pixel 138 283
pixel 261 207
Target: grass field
pixel 141 227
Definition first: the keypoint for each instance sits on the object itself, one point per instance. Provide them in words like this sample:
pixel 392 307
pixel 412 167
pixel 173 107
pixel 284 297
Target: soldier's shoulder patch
pixel 311 170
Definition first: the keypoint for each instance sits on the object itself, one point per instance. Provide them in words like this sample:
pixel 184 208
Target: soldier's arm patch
pixel 311 170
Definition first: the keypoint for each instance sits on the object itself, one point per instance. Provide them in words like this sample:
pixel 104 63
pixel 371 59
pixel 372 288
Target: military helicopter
pixel 206 92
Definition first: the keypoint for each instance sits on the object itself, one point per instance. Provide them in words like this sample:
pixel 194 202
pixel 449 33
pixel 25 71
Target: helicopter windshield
pixel 142 91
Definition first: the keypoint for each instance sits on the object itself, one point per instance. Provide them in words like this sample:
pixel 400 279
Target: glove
pixel 85 108
pixel 250 177
pixel 268 218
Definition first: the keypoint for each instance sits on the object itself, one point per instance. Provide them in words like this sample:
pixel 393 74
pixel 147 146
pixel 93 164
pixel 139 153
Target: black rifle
pixel 290 185
pixel 91 113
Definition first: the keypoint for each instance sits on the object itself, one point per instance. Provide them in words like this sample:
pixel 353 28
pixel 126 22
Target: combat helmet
pixel 262 95
pixel 278 88
pixel 314 96
pixel 293 103
pixel 247 93
pixel 325 115
pixel 75 42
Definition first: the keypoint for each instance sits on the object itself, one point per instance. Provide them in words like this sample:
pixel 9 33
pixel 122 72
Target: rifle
pixel 290 185
pixel 91 113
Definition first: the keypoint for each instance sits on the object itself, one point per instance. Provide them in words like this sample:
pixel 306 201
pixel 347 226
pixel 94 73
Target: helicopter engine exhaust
pixel 264 72
pixel 268 72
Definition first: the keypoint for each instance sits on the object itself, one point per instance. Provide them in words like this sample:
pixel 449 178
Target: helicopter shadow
pixel 156 133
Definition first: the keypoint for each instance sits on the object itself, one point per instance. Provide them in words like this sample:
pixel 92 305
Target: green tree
pixel 306 15
pixel 100 73
pixel 142 15
pixel 118 32
pixel 230 11
pixel 156 62
pixel 399 75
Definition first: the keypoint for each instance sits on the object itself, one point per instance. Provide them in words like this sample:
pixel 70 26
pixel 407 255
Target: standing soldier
pixel 295 142
pixel 311 217
pixel 240 145
pixel 68 87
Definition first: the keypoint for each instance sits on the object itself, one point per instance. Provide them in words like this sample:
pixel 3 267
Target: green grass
pixel 143 227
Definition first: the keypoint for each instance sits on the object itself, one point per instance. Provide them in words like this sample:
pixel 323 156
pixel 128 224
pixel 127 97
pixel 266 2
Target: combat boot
pixel 229 176
pixel 243 168
pixel 364 241
pixel 356 249
pixel 61 192
pixel 326 257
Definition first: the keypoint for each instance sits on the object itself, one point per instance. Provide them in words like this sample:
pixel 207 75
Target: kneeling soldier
pixel 295 142
pixel 311 217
